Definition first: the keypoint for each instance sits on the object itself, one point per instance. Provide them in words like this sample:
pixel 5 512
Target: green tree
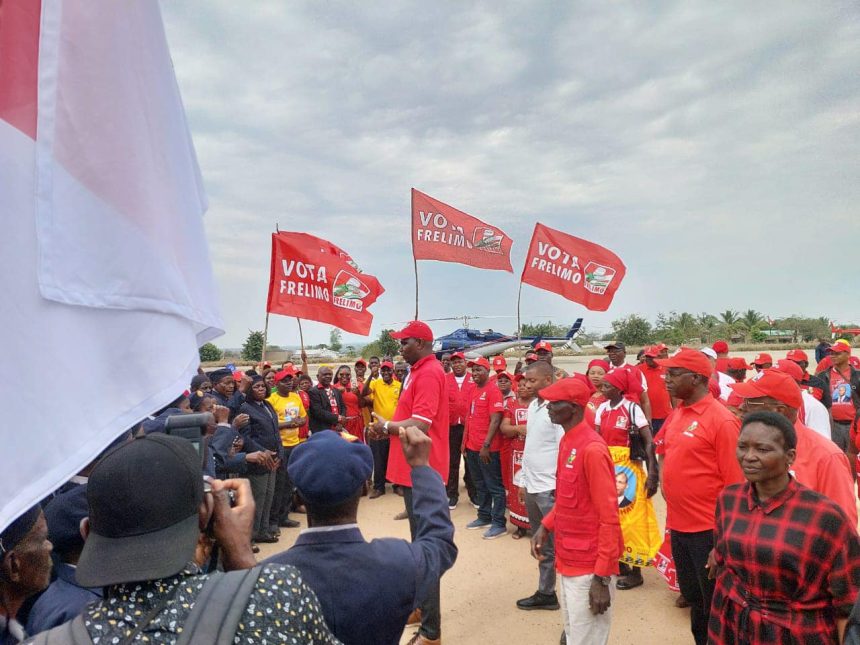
pixel 252 349
pixel 675 328
pixel 209 352
pixel 632 330
pixel 385 345
pixel 546 329
pixel 752 320
pixel 708 324
pixel 334 339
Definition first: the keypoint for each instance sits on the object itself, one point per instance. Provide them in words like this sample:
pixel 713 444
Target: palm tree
pixel 707 323
pixel 752 320
pixel 730 318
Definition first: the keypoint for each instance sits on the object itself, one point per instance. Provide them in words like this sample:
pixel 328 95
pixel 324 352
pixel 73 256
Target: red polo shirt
pixel 699 443
pixel 424 396
pixel 658 395
pixel 483 403
pixel 458 398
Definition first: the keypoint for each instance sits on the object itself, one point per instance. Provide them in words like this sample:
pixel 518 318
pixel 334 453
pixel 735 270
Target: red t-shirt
pixel 483 402
pixel 658 395
pixel 615 422
pixel 699 442
pixel 424 396
pixel 840 393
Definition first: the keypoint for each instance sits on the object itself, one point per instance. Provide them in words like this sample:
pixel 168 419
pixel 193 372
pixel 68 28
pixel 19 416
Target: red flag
pixel 579 270
pixel 314 279
pixel 441 232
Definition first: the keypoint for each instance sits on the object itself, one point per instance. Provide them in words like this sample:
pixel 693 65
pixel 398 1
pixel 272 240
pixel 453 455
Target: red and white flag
pixel 441 232
pixel 579 270
pixel 312 278
pixel 108 285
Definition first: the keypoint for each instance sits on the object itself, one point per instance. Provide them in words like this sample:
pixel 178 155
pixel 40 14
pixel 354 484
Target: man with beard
pixel 327 410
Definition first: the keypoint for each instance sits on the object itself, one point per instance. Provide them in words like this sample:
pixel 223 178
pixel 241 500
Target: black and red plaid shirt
pixel 789 567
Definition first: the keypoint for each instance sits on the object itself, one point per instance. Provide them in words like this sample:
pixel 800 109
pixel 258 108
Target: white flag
pixel 106 283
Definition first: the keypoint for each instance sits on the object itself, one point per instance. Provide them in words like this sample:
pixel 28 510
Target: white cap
pixel 710 353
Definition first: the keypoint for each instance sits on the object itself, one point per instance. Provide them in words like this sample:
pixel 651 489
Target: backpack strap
pixel 219 607
pixel 73 632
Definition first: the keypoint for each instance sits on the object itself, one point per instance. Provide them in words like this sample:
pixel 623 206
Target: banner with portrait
pixel 639 527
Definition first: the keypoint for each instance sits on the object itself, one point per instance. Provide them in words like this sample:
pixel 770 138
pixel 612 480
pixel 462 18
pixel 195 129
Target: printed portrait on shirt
pixel 842 393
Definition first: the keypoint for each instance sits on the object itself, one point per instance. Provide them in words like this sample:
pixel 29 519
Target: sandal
pixel 519 534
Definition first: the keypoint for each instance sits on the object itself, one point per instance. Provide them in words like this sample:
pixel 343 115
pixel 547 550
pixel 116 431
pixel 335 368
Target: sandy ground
pixel 480 592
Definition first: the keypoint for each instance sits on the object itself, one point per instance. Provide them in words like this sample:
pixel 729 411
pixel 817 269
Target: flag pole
pixel 519 297
pixel 265 339
pixel 414 259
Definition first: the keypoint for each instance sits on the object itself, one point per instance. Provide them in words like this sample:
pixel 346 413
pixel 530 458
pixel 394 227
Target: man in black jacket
pixel 327 410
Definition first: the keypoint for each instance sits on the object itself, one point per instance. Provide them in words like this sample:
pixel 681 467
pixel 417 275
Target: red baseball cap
pixel 287 371
pixel 773 383
pixel 267 364
pixel 415 329
pixel 543 345
pixel 237 375
pixel 840 347
pixel 481 361
pixel 507 375
pixel 499 363
pixel 518 377
pixel 531 357
pixel 761 359
pixel 567 389
pixel 361 361
pixel 738 363
pixel 652 351
pixel 720 346
pixel 689 359
pixel 797 355
pixel 458 355
pixel 388 364
pixel 791 368
pixel 661 346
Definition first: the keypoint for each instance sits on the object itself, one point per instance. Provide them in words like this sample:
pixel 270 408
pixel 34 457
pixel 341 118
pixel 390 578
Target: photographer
pixel 149 531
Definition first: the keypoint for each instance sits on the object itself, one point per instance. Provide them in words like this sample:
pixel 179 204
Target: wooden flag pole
pixel 414 259
pixel 301 336
pixel 519 297
pixel 265 339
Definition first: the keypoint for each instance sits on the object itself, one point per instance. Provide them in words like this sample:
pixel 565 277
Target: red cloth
pixel 512 461
pixel 354 426
pixel 658 395
pixel 483 403
pixel 843 409
pixel 458 398
pixel 306 401
pixel 585 515
pixel 762 597
pixel 822 466
pixel 721 366
pixel 615 424
pixel 634 381
pixel 699 442
pixel 424 396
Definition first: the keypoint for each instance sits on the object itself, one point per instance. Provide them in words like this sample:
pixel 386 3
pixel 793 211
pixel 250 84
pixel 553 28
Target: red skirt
pixel 512 461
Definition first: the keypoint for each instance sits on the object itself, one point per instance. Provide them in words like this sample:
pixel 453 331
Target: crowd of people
pixel 155 540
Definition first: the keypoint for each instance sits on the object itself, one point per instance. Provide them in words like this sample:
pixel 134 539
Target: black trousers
pixel 282 502
pixel 380 449
pixel 455 440
pixel 690 552
pixel 431 610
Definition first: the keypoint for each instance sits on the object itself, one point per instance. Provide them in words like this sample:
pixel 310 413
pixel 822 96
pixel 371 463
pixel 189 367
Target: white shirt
pixel 816 415
pixel 725 381
pixel 540 455
pixel 639 419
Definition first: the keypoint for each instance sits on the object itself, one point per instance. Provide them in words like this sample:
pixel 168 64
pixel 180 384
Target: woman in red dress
pixel 514 430
pixel 354 420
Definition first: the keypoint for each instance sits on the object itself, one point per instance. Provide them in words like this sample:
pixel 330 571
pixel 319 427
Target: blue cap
pixel 63 515
pixel 327 469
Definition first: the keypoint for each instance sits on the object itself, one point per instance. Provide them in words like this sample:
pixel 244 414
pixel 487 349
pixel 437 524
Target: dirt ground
pixel 479 593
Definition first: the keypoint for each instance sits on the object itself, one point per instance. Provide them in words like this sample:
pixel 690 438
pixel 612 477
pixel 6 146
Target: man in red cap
pixel 292 415
pixel 423 403
pixel 543 352
pixel 460 386
pixel 841 382
pixel 737 368
pixel 658 395
pixel 499 364
pixel 811 412
pixel 762 361
pixel 617 354
pixel 699 442
pixel 819 464
pixel 810 382
pixel 382 394
pixel 721 348
pixel 481 444
pixel 584 519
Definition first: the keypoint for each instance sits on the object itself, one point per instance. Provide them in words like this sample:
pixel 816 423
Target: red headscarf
pixel 598 362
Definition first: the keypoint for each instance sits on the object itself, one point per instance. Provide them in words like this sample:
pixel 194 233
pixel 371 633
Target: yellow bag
pixel 642 537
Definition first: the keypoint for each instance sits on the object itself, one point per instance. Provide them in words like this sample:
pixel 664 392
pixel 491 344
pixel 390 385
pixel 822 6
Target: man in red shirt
pixel 812 383
pixel 841 382
pixel 658 395
pixel 721 348
pixel 584 519
pixel 699 460
pixel 482 443
pixel 617 355
pixel 762 361
pixel 819 464
pixel 423 403
pixel 460 386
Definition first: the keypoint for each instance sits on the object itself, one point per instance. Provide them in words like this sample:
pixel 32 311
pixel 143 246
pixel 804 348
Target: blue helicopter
pixel 491 343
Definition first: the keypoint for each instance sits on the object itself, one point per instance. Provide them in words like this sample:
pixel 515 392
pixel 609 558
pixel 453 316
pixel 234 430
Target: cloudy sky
pixel 713 147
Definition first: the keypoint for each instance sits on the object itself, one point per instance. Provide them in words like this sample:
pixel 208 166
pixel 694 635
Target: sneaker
pixel 539 600
pixel 290 524
pixel 474 503
pixel 452 504
pixel 479 524
pixel 495 532
pixel 376 493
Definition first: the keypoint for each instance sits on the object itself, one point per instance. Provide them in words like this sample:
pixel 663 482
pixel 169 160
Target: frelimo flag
pixel 579 270
pixel 108 284
pixel 312 278
pixel 441 232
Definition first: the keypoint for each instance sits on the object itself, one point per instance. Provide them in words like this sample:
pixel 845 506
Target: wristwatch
pixel 385 427
pixel 604 580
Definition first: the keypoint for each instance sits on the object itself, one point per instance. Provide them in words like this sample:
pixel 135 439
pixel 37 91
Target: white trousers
pixel 581 626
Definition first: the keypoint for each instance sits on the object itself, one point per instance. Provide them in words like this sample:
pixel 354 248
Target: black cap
pixel 143 499
pixel 616 345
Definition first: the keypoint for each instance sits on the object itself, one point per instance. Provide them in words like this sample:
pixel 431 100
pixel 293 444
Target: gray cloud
pixel 712 146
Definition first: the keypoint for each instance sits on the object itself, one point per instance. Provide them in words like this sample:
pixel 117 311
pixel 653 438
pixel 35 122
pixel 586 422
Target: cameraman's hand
pixel 232 526
pixel 241 421
pixel 416 446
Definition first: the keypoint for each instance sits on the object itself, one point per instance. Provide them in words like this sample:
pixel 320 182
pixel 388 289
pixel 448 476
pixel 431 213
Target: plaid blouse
pixel 788 567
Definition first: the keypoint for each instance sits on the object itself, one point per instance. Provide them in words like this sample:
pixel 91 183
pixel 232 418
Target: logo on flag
pixel 441 232
pixel 598 277
pixel 348 291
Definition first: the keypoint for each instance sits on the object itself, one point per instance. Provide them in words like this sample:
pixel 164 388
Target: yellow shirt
pixel 288 408
pixel 385 397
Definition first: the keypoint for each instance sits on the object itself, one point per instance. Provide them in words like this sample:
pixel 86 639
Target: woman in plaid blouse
pixel 786 559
